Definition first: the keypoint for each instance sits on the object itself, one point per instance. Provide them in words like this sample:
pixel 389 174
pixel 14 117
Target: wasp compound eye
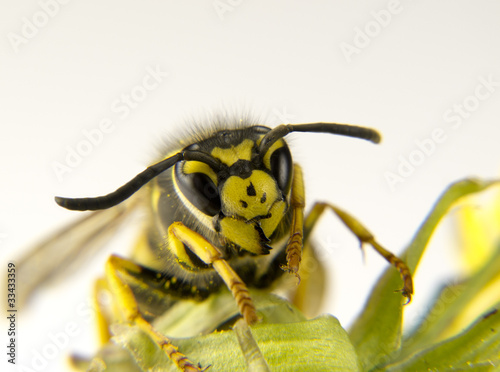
pixel 281 168
pixel 200 190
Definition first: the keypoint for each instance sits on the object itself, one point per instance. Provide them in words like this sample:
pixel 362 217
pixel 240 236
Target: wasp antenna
pixel 355 131
pixel 332 128
pixel 131 187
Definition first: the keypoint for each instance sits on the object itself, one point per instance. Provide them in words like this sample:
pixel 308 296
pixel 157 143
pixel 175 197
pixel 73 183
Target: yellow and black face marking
pixel 245 199
pixel 226 210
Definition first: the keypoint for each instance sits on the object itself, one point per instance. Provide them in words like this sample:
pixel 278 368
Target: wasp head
pixel 247 193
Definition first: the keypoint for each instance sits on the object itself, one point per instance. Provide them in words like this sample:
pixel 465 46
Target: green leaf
pixel 293 344
pixel 376 334
pixel 478 346
pixel 452 300
pixel 457 190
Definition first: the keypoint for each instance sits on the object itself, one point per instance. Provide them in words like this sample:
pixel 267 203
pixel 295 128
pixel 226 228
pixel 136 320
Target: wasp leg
pixel 180 235
pixel 309 296
pixel 297 203
pixel 129 309
pixel 364 236
pixel 102 319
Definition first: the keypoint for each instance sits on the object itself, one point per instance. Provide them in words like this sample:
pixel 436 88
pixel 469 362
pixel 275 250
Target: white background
pixel 260 57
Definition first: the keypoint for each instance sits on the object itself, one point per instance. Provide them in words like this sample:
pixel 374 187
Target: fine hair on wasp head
pixel 127 190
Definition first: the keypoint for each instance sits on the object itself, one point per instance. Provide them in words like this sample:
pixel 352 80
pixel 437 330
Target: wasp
pixel 224 209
